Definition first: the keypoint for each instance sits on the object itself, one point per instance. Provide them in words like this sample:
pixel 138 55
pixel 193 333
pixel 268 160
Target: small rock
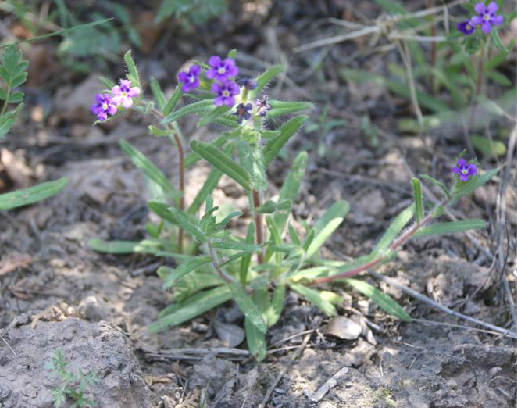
pixel 344 328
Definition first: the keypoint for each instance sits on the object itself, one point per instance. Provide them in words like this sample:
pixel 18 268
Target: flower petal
pixel 476 20
pixel 214 61
pixel 497 20
pixel 486 28
pixel 461 163
pixel 464 177
pixel 480 8
pixel 492 7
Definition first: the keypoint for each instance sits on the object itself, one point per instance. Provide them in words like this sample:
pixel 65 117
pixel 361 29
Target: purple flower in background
pixel 190 79
pixel 248 83
pixel 243 112
pixel 263 106
pixel 221 70
pixel 466 27
pixel 123 93
pixel 103 106
pixel 225 92
pixel 487 18
pixel 465 170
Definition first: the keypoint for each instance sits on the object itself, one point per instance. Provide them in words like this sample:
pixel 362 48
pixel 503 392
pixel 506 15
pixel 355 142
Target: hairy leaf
pixel 31 195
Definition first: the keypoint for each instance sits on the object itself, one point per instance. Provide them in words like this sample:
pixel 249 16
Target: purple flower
pixel 465 170
pixel 263 106
pixel 123 93
pixel 243 112
pixel 221 70
pixel 487 18
pixel 466 27
pixel 225 92
pixel 103 106
pixel 190 79
pixel 248 83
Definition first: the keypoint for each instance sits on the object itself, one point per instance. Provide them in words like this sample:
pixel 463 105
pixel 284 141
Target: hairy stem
pixel 401 240
pixel 258 225
pixel 181 173
pixel 215 263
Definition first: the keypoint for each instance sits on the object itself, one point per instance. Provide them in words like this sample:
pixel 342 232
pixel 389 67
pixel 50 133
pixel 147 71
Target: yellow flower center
pixel 226 93
pixel 467 27
pixel 105 106
pixel 465 171
pixel 221 71
pixel 487 17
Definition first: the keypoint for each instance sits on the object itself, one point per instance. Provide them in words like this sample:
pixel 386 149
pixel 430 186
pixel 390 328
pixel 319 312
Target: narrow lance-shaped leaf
pixel 194 108
pixel 246 259
pixel 256 340
pixel 209 186
pixel 174 275
pixel 31 195
pixel 192 307
pixel 132 70
pixel 149 169
pixel 291 186
pixel 213 115
pixel 315 298
pixel 277 304
pixel 7 120
pixel 385 302
pixel 287 130
pixel 158 94
pixel 146 246
pixel 451 227
pixel 332 218
pixel 281 108
pixel 177 217
pixel 192 158
pixel 248 308
pixel 234 245
pixel 419 199
pixel 173 101
pixel 393 230
pixel 437 183
pixel 266 77
pixel 223 162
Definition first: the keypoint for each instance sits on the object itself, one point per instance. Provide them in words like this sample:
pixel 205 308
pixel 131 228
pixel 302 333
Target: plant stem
pixel 215 263
pixel 7 94
pixel 401 240
pixel 181 154
pixel 258 225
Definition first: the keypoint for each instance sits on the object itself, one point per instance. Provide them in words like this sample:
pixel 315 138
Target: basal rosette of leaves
pixel 13 74
pixel 214 265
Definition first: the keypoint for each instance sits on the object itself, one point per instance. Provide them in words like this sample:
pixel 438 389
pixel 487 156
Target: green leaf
pixel 497 40
pixel 125 247
pixel 246 259
pixel 203 106
pixel 173 101
pixel 223 162
pixel 176 217
pixel 213 115
pixel 192 307
pixel 277 304
pixel 287 130
pixel 158 94
pixel 384 301
pixel 451 227
pixel 250 157
pixel 192 158
pixel 393 231
pixel 419 199
pixel 7 120
pixel 281 108
pixel 174 275
pixel 324 228
pixel 234 245
pixel 468 188
pixel 209 186
pixel 315 298
pixel 292 182
pixel 256 340
pixel 31 195
pixel 250 310
pixel 108 83
pixel 132 70
pixel 437 183
pixel 266 77
pixel 149 169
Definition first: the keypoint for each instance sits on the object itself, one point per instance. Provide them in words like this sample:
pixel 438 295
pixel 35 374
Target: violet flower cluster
pixel 486 18
pixel 122 95
pixel 465 170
